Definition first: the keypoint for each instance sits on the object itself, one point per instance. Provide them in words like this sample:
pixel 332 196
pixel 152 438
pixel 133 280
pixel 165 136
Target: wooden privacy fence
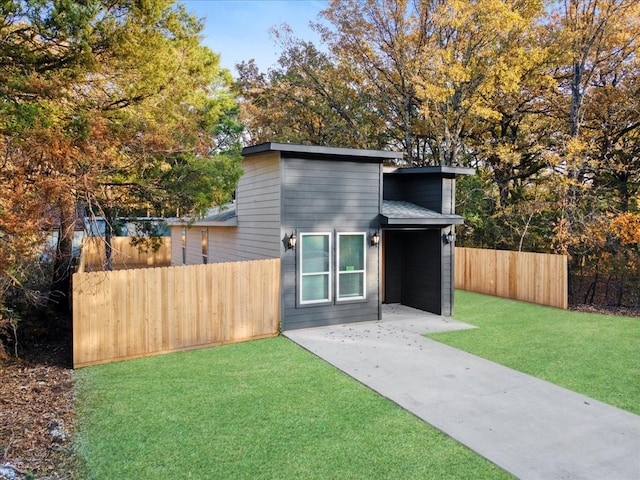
pixel 530 277
pixel 124 254
pixel 132 313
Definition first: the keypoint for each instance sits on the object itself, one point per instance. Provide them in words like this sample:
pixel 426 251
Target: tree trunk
pixel 108 249
pixel 63 261
pixel 109 222
pixel 576 99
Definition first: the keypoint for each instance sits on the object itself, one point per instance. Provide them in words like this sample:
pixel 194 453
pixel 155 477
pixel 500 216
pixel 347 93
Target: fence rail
pixel 124 254
pixel 132 313
pixel 530 277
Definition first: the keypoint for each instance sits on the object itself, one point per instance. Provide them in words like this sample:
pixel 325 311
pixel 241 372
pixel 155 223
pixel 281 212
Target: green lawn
pixel 269 409
pixel 597 355
pixel 263 409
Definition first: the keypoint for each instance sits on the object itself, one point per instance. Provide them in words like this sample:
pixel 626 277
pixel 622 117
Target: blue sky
pixel 238 29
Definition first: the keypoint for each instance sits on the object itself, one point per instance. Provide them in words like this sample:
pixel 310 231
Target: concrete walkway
pixel 531 428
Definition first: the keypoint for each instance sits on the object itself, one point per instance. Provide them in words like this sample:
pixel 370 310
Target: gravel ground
pixel 36 416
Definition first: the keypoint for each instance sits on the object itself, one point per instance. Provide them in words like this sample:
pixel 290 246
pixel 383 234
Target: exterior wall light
pixel 291 243
pixel 448 238
pixel 375 239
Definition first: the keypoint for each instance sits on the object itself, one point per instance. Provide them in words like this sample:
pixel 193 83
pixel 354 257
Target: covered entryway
pixel 413 269
pixel 417 257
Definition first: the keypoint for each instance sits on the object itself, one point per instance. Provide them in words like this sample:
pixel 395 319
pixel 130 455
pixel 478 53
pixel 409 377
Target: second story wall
pixel 330 193
pixel 329 196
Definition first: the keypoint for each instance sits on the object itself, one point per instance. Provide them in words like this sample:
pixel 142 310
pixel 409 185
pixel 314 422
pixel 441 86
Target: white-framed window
pixel 351 266
pixel 205 245
pixel 183 242
pixel 315 268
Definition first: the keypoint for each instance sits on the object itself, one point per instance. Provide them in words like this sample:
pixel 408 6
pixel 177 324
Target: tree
pixel 309 87
pixel 115 106
pixel 594 110
pixel 422 76
pixel 596 44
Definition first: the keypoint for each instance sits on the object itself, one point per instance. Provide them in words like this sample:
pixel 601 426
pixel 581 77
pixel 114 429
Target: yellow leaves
pixel 576 147
pixel 507 154
pixel 626 227
pixel 563 237
pixel 474 53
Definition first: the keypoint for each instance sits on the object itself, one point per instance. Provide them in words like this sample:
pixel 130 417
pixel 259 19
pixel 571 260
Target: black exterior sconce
pixel 448 238
pixel 291 243
pixel 375 239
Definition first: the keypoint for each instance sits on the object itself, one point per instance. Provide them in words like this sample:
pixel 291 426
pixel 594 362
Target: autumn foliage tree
pixel 114 107
pixel 540 97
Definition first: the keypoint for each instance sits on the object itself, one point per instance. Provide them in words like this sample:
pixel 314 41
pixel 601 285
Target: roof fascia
pixel 438 170
pixel 412 222
pixel 321 152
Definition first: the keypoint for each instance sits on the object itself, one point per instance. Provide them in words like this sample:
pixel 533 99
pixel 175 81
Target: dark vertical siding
pixel 425 191
pixel 448 195
pixel 421 189
pixel 432 191
pixel 419 270
pixel 392 187
pixel 422 270
pixel 393 250
pixel 340 196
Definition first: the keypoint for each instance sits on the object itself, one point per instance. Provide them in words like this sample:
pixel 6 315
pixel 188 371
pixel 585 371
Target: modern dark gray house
pixel 351 234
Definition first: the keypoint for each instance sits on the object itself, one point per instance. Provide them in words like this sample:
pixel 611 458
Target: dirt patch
pixel 618 311
pixel 36 416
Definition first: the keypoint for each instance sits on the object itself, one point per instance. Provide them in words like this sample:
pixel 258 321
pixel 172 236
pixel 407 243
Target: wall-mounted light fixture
pixel 291 243
pixel 448 238
pixel 375 239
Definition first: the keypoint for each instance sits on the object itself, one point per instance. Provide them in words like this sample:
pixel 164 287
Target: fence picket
pixel 133 313
pixel 530 277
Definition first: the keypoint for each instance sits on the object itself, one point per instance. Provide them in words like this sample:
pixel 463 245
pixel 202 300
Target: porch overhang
pixel 397 213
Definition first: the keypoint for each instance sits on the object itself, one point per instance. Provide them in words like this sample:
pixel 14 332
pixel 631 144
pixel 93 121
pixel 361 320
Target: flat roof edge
pixel 320 150
pixel 413 222
pixel 447 170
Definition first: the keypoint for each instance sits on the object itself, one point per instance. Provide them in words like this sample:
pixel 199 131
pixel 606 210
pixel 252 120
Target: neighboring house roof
pixel 226 216
pixel 395 212
pixel 217 218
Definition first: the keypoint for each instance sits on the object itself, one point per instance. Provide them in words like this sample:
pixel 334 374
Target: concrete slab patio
pixel 529 427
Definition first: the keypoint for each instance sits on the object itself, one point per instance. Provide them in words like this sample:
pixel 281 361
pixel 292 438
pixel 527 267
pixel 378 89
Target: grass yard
pixel 597 355
pixel 263 409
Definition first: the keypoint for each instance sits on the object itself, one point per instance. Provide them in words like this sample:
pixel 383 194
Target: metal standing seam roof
pixel 395 212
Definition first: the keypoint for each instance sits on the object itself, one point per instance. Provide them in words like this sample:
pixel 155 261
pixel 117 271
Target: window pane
pixel 351 285
pixel 315 287
pixel 351 252
pixel 315 253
